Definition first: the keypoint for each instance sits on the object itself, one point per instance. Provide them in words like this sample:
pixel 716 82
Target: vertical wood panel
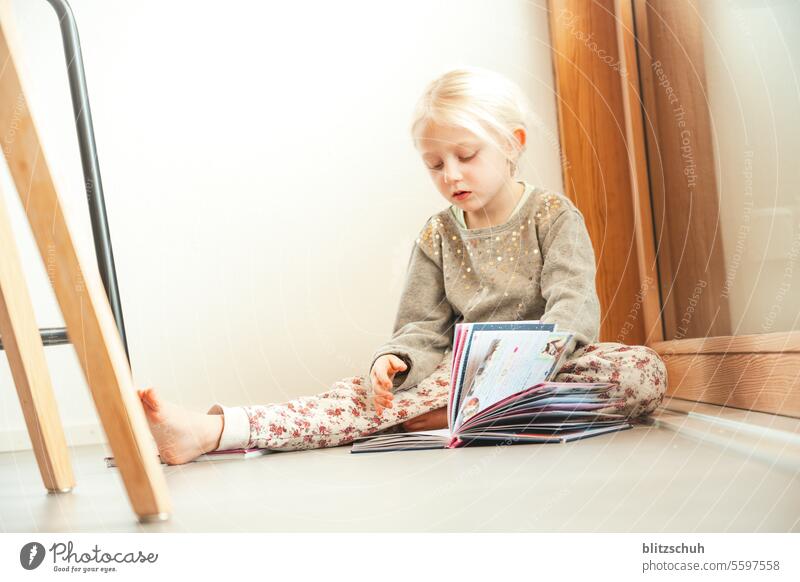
pixel 682 175
pixel 676 225
pixel 597 178
pixel 640 183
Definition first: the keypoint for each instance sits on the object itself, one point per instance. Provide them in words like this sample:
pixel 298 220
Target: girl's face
pixel 460 161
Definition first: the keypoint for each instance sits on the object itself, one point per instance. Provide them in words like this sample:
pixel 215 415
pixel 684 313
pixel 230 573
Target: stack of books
pixel 501 391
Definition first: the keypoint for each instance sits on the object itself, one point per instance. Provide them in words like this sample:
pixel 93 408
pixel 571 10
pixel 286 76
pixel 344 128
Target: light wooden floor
pixel 684 473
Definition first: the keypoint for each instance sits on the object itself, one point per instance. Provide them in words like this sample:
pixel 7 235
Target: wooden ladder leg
pixel 84 305
pixel 23 346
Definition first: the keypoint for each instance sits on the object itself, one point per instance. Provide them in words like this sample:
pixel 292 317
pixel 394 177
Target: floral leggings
pixel 345 412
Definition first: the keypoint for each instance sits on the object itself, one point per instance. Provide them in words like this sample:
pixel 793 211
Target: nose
pixel 452 172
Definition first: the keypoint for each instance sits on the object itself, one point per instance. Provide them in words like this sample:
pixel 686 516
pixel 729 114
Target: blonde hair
pixel 479 100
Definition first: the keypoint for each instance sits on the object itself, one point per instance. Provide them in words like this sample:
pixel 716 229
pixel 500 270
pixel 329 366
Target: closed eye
pixel 464 159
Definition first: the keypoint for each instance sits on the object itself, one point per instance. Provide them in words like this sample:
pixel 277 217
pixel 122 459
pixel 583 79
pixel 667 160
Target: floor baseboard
pixel 76 435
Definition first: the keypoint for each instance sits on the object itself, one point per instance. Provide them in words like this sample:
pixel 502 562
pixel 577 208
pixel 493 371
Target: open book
pixel 501 391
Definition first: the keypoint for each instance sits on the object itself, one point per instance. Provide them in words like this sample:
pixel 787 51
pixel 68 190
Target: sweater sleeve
pixel 568 277
pixel 423 328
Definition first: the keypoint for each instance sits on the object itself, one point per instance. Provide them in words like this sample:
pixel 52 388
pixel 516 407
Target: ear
pixel 521 136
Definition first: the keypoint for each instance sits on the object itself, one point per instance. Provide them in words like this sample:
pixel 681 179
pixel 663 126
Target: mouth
pixel 461 194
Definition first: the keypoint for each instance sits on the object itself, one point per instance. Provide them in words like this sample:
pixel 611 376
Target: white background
pixel 544 556
pixel 262 188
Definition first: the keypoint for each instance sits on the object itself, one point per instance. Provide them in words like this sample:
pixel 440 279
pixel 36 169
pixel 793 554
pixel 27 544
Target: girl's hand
pixel 381 375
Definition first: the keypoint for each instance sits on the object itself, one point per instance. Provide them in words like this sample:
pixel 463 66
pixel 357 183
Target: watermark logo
pixel 67 558
pixel 31 555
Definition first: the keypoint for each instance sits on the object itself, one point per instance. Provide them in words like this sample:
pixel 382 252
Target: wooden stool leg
pixel 23 346
pixel 84 305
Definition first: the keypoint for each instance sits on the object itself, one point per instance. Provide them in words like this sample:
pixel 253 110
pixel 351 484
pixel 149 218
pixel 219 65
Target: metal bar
pixel 51 336
pixel 91 166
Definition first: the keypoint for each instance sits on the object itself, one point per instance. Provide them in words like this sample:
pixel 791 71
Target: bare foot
pixel 181 435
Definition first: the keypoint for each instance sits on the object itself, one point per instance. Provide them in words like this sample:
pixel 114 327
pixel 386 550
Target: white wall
pixel 751 54
pixel 263 192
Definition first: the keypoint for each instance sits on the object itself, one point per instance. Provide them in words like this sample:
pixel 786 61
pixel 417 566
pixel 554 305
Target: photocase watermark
pixel 633 314
pixel 80 286
pixel 679 113
pixel 553 141
pixel 11 135
pixel 744 229
pixel 783 289
pixel 742 20
pixel 664 83
pixel 568 19
pixel 687 154
pixel 50 263
pixel 66 559
pixel 89 187
pixel 476 468
pixel 31 555
pixel 543 508
pixel 697 292
pixel 686 319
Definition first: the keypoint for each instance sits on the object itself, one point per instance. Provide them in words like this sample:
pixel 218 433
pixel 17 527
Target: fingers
pixel 396 365
pixel 382 389
pixel 148 398
pixel 383 397
pixel 381 379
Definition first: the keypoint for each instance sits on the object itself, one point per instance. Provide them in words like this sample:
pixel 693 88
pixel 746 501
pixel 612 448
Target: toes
pixel 150 398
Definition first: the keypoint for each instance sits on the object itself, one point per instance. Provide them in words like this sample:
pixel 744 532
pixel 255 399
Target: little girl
pixel 504 250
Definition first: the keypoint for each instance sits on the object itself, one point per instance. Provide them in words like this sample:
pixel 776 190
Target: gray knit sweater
pixel 539 264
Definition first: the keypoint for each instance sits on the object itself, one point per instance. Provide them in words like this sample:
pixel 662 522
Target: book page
pixel 543 364
pixel 461 332
pixel 495 366
pixel 455 378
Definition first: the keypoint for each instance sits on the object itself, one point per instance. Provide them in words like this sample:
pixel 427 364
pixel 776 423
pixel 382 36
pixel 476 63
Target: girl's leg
pixel 332 418
pixel 638 371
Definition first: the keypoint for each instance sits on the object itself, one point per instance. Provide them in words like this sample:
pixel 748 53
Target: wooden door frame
pixel 754 372
pixel 593 141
